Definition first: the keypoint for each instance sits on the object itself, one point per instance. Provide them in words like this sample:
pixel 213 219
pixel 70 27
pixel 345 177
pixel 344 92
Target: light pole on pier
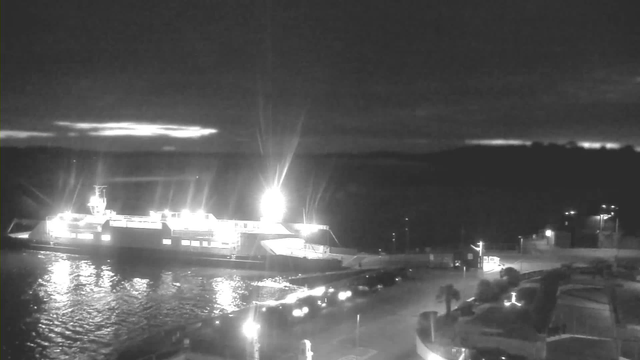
pixel 521 245
pixel 406 229
pixel 570 222
pixel 251 330
pixel 393 243
pixel 607 211
pixel 480 249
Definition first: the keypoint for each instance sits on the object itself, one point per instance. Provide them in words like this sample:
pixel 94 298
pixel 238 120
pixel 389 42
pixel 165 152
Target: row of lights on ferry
pixel 185 212
pixel 272 206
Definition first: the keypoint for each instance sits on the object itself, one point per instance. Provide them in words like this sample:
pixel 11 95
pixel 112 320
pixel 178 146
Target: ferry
pixel 184 234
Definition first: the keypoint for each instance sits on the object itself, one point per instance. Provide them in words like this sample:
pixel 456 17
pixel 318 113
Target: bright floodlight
pixel 67 215
pixel 272 205
pixel 548 233
pixel 250 329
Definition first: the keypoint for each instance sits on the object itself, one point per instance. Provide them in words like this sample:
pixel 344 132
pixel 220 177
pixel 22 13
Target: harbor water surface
pixel 60 306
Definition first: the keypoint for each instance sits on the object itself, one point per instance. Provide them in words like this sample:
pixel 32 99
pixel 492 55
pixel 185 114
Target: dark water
pixel 58 306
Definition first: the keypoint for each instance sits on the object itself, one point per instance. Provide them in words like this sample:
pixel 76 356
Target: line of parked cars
pixel 310 303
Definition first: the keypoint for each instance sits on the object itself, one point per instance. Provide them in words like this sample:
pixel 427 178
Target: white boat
pixel 195 233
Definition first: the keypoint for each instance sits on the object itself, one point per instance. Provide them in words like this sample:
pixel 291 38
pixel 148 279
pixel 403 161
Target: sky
pixel 318 76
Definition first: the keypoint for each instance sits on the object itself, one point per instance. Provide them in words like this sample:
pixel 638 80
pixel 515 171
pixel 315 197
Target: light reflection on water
pixel 57 306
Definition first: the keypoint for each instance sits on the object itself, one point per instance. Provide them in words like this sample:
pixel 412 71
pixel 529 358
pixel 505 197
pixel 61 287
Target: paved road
pixel 387 319
pixel 586 311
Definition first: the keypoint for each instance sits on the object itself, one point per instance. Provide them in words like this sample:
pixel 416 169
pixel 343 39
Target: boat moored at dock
pixel 179 234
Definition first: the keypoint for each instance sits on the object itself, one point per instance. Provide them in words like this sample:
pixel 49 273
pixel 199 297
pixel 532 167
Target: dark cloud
pixel 357 76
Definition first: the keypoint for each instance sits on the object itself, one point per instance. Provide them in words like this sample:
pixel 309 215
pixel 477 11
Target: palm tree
pixel 448 293
pixel 512 275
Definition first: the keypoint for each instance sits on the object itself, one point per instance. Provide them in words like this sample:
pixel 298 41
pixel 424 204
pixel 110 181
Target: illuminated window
pixel 195 243
pixel 106 237
pixel 85 236
pixel 186 242
pixel 166 241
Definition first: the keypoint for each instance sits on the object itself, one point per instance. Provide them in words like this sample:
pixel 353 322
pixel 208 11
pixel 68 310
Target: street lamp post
pixel 406 229
pixel 305 350
pixel 549 234
pixel 480 249
pixel 614 213
pixel 521 243
pixel 250 330
pixel 616 237
pixel 571 217
pixel 607 211
pixel 393 243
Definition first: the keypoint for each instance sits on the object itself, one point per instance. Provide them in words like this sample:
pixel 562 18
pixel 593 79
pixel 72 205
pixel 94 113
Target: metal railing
pixel 574 323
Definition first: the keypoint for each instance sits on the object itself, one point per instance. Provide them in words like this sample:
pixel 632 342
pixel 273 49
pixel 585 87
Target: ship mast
pixel 98 202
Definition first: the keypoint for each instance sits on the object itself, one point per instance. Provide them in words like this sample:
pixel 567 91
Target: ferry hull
pixel 136 253
pixel 158 244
